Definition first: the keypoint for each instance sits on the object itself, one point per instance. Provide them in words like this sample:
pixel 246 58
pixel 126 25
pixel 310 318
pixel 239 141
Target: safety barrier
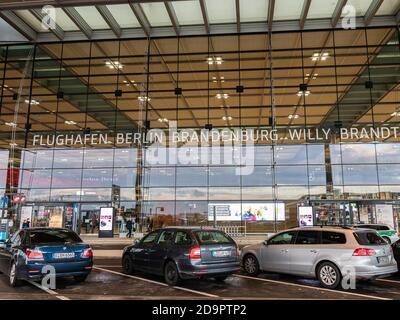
pixel 233 231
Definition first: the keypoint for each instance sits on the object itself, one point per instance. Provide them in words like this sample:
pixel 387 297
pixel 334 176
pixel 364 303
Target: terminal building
pixel 251 115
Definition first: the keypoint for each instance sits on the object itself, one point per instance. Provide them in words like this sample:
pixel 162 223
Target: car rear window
pixel 41 237
pixel 329 237
pixel 369 238
pixel 211 237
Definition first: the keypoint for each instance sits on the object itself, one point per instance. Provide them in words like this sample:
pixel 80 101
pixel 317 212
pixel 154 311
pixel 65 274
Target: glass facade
pixel 323 106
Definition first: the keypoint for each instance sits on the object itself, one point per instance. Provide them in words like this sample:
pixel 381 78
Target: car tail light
pixel 195 252
pixel 88 253
pixel 364 252
pixel 34 254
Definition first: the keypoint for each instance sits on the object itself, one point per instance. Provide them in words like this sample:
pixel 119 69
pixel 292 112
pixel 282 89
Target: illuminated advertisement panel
pixel 246 211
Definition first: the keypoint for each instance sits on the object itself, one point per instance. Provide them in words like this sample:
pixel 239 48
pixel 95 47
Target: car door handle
pixel 313 251
pixel 284 251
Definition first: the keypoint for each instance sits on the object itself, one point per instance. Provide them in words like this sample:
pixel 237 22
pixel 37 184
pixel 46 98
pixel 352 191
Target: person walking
pixel 24 225
pixel 129 226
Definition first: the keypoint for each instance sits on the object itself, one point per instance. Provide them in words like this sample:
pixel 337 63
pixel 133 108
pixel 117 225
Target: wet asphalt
pixel 108 282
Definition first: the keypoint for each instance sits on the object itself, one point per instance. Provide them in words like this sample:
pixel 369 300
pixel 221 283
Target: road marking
pixel 157 282
pixel 310 287
pixel 49 291
pixel 388 280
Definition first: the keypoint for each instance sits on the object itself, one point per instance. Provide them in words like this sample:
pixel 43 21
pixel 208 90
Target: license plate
pixel 64 255
pixel 221 254
pixel 383 260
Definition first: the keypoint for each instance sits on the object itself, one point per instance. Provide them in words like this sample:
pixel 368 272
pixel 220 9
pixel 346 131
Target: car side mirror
pixel 265 242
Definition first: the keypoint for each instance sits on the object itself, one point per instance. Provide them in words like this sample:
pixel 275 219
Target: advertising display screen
pixel 106 219
pixel 305 216
pixel 384 214
pixel 246 211
pixel 26 213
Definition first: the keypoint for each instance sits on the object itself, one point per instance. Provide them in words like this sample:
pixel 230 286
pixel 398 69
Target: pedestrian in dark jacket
pixel 129 226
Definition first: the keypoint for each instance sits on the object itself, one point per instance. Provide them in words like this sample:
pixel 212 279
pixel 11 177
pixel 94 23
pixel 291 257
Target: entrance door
pixel 88 221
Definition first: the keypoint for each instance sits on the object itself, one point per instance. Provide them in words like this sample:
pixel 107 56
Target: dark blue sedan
pixel 30 250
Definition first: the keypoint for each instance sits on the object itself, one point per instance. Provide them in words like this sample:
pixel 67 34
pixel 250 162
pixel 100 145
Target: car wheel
pixel 220 278
pixel 387 239
pixel 251 265
pixel 80 278
pixel 329 275
pixel 127 264
pixel 171 274
pixel 13 275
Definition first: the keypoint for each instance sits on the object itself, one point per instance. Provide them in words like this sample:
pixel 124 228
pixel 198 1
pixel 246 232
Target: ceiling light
pixel 162 120
pixel 13 144
pixel 214 60
pixel 396 114
pixel 313 76
pixel 227 118
pixel 32 101
pixel 221 79
pixel 222 96
pixel 114 65
pixel 293 116
pixel 69 122
pixel 323 56
pixel 144 98
pixel 303 93
pixel 11 124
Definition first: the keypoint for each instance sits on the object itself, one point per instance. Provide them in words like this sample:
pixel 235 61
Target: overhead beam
pixel 109 18
pixel 141 17
pixel 372 10
pixel 172 16
pixel 74 15
pixel 57 31
pixel 271 10
pixel 18 24
pixel 205 16
pixel 304 13
pixel 338 12
pixel 237 2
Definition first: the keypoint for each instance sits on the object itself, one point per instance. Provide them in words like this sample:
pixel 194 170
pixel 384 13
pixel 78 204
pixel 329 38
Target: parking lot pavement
pixel 108 282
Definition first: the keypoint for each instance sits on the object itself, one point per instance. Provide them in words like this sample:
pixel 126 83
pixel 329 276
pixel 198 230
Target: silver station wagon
pixel 324 253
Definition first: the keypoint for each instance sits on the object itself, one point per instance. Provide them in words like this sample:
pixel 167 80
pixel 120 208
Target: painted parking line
pixel 158 283
pixel 311 287
pixel 49 291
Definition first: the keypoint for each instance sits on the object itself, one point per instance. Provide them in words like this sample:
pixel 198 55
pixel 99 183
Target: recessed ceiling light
pixel 13 144
pixel 222 96
pixel 32 102
pixel 214 60
pixel 114 65
pixel 293 116
pixel 396 114
pixel 69 122
pixel 162 120
pixel 323 56
pixel 227 118
pixel 303 93
pixel 144 98
pixel 11 124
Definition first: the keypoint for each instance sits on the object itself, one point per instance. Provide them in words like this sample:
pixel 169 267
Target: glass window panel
pixel 160 177
pixel 316 175
pixel 288 9
pixel 360 5
pixel 360 175
pixel 97 178
pixel 257 193
pixel 262 155
pixel 291 175
pixel 150 194
pixel 64 21
pixel 65 194
pixel 291 193
pixel 92 17
pixel 191 213
pixel 66 178
pixel 3 179
pixel 4 154
pixel 388 152
pixel 388 7
pixel 125 157
pixel 358 153
pixel 296 154
pixel 224 193
pixel 191 176
pixel 253 10
pixel 127 194
pixel 221 11
pixel 37 194
pixel 321 9
pixel 37 159
pixel 389 174
pixel 188 12
pixel 28 17
pixel 35 179
pixel 98 158
pixel 316 153
pixel 124 15
pixel 125 177
pixel 156 14
pixel 71 158
pixel 224 176
pixel 337 177
pixel 191 193
pixel 261 176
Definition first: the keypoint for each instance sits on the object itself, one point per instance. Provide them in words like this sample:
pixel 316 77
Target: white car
pixel 385 231
pixel 323 253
